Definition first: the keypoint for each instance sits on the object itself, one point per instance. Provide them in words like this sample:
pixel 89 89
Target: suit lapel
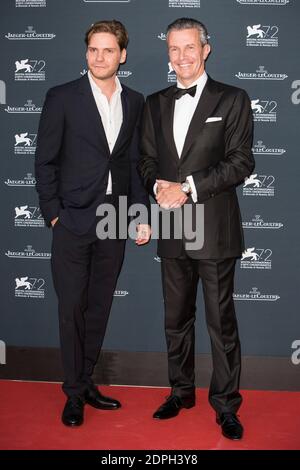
pixel 207 103
pixel 92 113
pixel 125 120
pixel 167 104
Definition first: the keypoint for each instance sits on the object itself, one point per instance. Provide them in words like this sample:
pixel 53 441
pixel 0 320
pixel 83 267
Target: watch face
pixel 185 187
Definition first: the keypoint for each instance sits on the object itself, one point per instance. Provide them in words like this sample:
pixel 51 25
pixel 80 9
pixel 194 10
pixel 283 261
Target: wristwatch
pixel 186 187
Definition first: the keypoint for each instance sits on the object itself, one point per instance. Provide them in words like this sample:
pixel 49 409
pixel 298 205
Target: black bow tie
pixel 179 92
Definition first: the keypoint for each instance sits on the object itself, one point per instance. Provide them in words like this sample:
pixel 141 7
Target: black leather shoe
pixel 172 406
pixel 231 426
pixel 94 398
pixel 73 412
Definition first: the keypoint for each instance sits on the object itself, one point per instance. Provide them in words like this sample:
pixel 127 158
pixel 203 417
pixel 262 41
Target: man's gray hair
pixel 189 23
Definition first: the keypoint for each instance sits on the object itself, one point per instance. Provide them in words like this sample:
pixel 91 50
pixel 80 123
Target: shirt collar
pixel 200 82
pixel 97 89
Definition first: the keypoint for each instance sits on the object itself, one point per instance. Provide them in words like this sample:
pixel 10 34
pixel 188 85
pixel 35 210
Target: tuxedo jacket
pixel 217 153
pixel 73 159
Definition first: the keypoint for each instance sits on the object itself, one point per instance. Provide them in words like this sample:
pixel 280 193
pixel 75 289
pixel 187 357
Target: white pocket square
pixel 213 119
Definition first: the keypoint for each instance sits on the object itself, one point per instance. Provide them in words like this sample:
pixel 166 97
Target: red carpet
pixel 30 419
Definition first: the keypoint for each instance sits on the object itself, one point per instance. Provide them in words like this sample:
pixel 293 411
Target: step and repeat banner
pixel 254 46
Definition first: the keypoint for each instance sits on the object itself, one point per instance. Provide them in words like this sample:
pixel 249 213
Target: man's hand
pixel 143 234
pixel 53 222
pixel 170 195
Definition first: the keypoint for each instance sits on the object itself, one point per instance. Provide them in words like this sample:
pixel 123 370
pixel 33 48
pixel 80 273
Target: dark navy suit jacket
pixel 73 159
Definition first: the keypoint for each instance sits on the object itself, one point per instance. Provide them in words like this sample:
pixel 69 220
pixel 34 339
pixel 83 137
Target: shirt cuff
pixel 193 188
pixel 155 189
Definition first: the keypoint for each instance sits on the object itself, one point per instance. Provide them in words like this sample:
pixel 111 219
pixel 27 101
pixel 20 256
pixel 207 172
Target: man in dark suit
pixel 87 152
pixel 196 148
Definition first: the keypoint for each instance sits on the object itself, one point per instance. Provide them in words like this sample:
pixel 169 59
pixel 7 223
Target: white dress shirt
pixel 111 113
pixel 183 113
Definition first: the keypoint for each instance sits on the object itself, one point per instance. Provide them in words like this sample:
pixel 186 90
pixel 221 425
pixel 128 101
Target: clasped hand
pixel 169 194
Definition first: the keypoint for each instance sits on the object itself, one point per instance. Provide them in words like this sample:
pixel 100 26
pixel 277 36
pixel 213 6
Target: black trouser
pixel 85 271
pixel 180 279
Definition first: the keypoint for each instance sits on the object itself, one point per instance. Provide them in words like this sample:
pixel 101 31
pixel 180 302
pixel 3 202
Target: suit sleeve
pixel 138 194
pixel 49 140
pixel 238 162
pixel 148 165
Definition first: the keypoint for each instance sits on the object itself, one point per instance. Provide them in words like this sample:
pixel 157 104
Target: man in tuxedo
pixel 196 148
pixel 87 153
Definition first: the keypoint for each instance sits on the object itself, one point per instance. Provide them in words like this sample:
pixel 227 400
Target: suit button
pixel 212 195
